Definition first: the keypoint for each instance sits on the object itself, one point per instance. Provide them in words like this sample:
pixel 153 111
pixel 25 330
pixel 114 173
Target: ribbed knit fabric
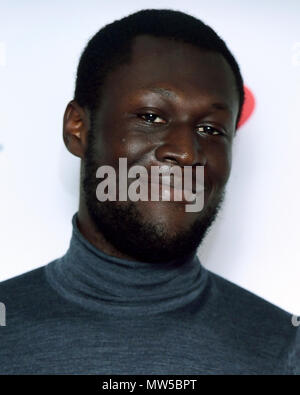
pixel 99 282
pixel 90 313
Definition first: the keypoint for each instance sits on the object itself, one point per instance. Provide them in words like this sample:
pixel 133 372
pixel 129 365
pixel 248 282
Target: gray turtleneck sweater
pixel 90 313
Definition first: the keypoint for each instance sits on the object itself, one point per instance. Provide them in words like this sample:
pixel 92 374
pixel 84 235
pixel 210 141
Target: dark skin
pixel 194 101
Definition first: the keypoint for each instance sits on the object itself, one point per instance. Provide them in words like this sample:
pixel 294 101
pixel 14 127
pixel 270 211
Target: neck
pixel 100 282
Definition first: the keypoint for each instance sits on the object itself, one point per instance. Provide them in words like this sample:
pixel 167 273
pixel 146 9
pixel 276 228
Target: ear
pixel 76 125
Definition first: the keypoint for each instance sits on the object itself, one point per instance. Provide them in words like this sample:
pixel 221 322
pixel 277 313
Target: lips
pixel 170 189
pixel 167 177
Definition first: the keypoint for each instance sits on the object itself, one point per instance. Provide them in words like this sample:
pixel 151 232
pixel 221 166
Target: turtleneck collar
pixel 100 282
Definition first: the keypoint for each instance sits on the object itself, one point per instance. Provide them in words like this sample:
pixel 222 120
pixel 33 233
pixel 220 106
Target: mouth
pixel 170 189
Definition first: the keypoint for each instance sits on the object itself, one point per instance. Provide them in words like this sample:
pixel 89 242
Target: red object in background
pixel 248 107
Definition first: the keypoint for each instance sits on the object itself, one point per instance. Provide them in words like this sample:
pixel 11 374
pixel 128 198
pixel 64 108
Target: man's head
pixel 158 88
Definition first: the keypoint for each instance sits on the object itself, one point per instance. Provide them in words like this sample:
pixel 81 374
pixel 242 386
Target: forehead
pixel 177 66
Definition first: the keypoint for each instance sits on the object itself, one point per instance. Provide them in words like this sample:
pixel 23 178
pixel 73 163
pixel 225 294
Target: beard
pixel 124 227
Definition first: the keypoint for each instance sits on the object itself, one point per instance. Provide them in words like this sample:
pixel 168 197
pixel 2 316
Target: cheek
pixel 136 148
pixel 116 139
pixel 219 165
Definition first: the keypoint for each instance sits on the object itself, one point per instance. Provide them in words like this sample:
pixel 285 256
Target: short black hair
pixel 110 47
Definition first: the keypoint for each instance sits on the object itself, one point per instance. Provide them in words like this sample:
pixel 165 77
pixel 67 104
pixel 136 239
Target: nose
pixel 181 146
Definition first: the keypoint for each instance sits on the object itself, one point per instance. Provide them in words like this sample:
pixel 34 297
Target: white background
pixel 255 241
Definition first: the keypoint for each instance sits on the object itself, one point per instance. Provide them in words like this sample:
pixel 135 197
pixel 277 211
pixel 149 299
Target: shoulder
pixel 29 296
pixel 23 285
pixel 259 329
pixel 249 311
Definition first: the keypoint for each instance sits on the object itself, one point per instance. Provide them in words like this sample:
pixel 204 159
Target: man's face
pixel 193 100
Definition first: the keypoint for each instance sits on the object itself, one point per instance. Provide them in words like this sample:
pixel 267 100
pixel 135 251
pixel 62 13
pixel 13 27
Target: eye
pixel 210 130
pixel 151 118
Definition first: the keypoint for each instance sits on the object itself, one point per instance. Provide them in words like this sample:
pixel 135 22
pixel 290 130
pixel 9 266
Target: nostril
pixel 177 154
pixel 170 159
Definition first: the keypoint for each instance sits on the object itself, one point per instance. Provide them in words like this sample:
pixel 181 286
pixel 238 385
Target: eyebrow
pixel 168 93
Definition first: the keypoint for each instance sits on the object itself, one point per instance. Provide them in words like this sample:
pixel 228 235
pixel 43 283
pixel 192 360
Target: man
pixel 157 88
